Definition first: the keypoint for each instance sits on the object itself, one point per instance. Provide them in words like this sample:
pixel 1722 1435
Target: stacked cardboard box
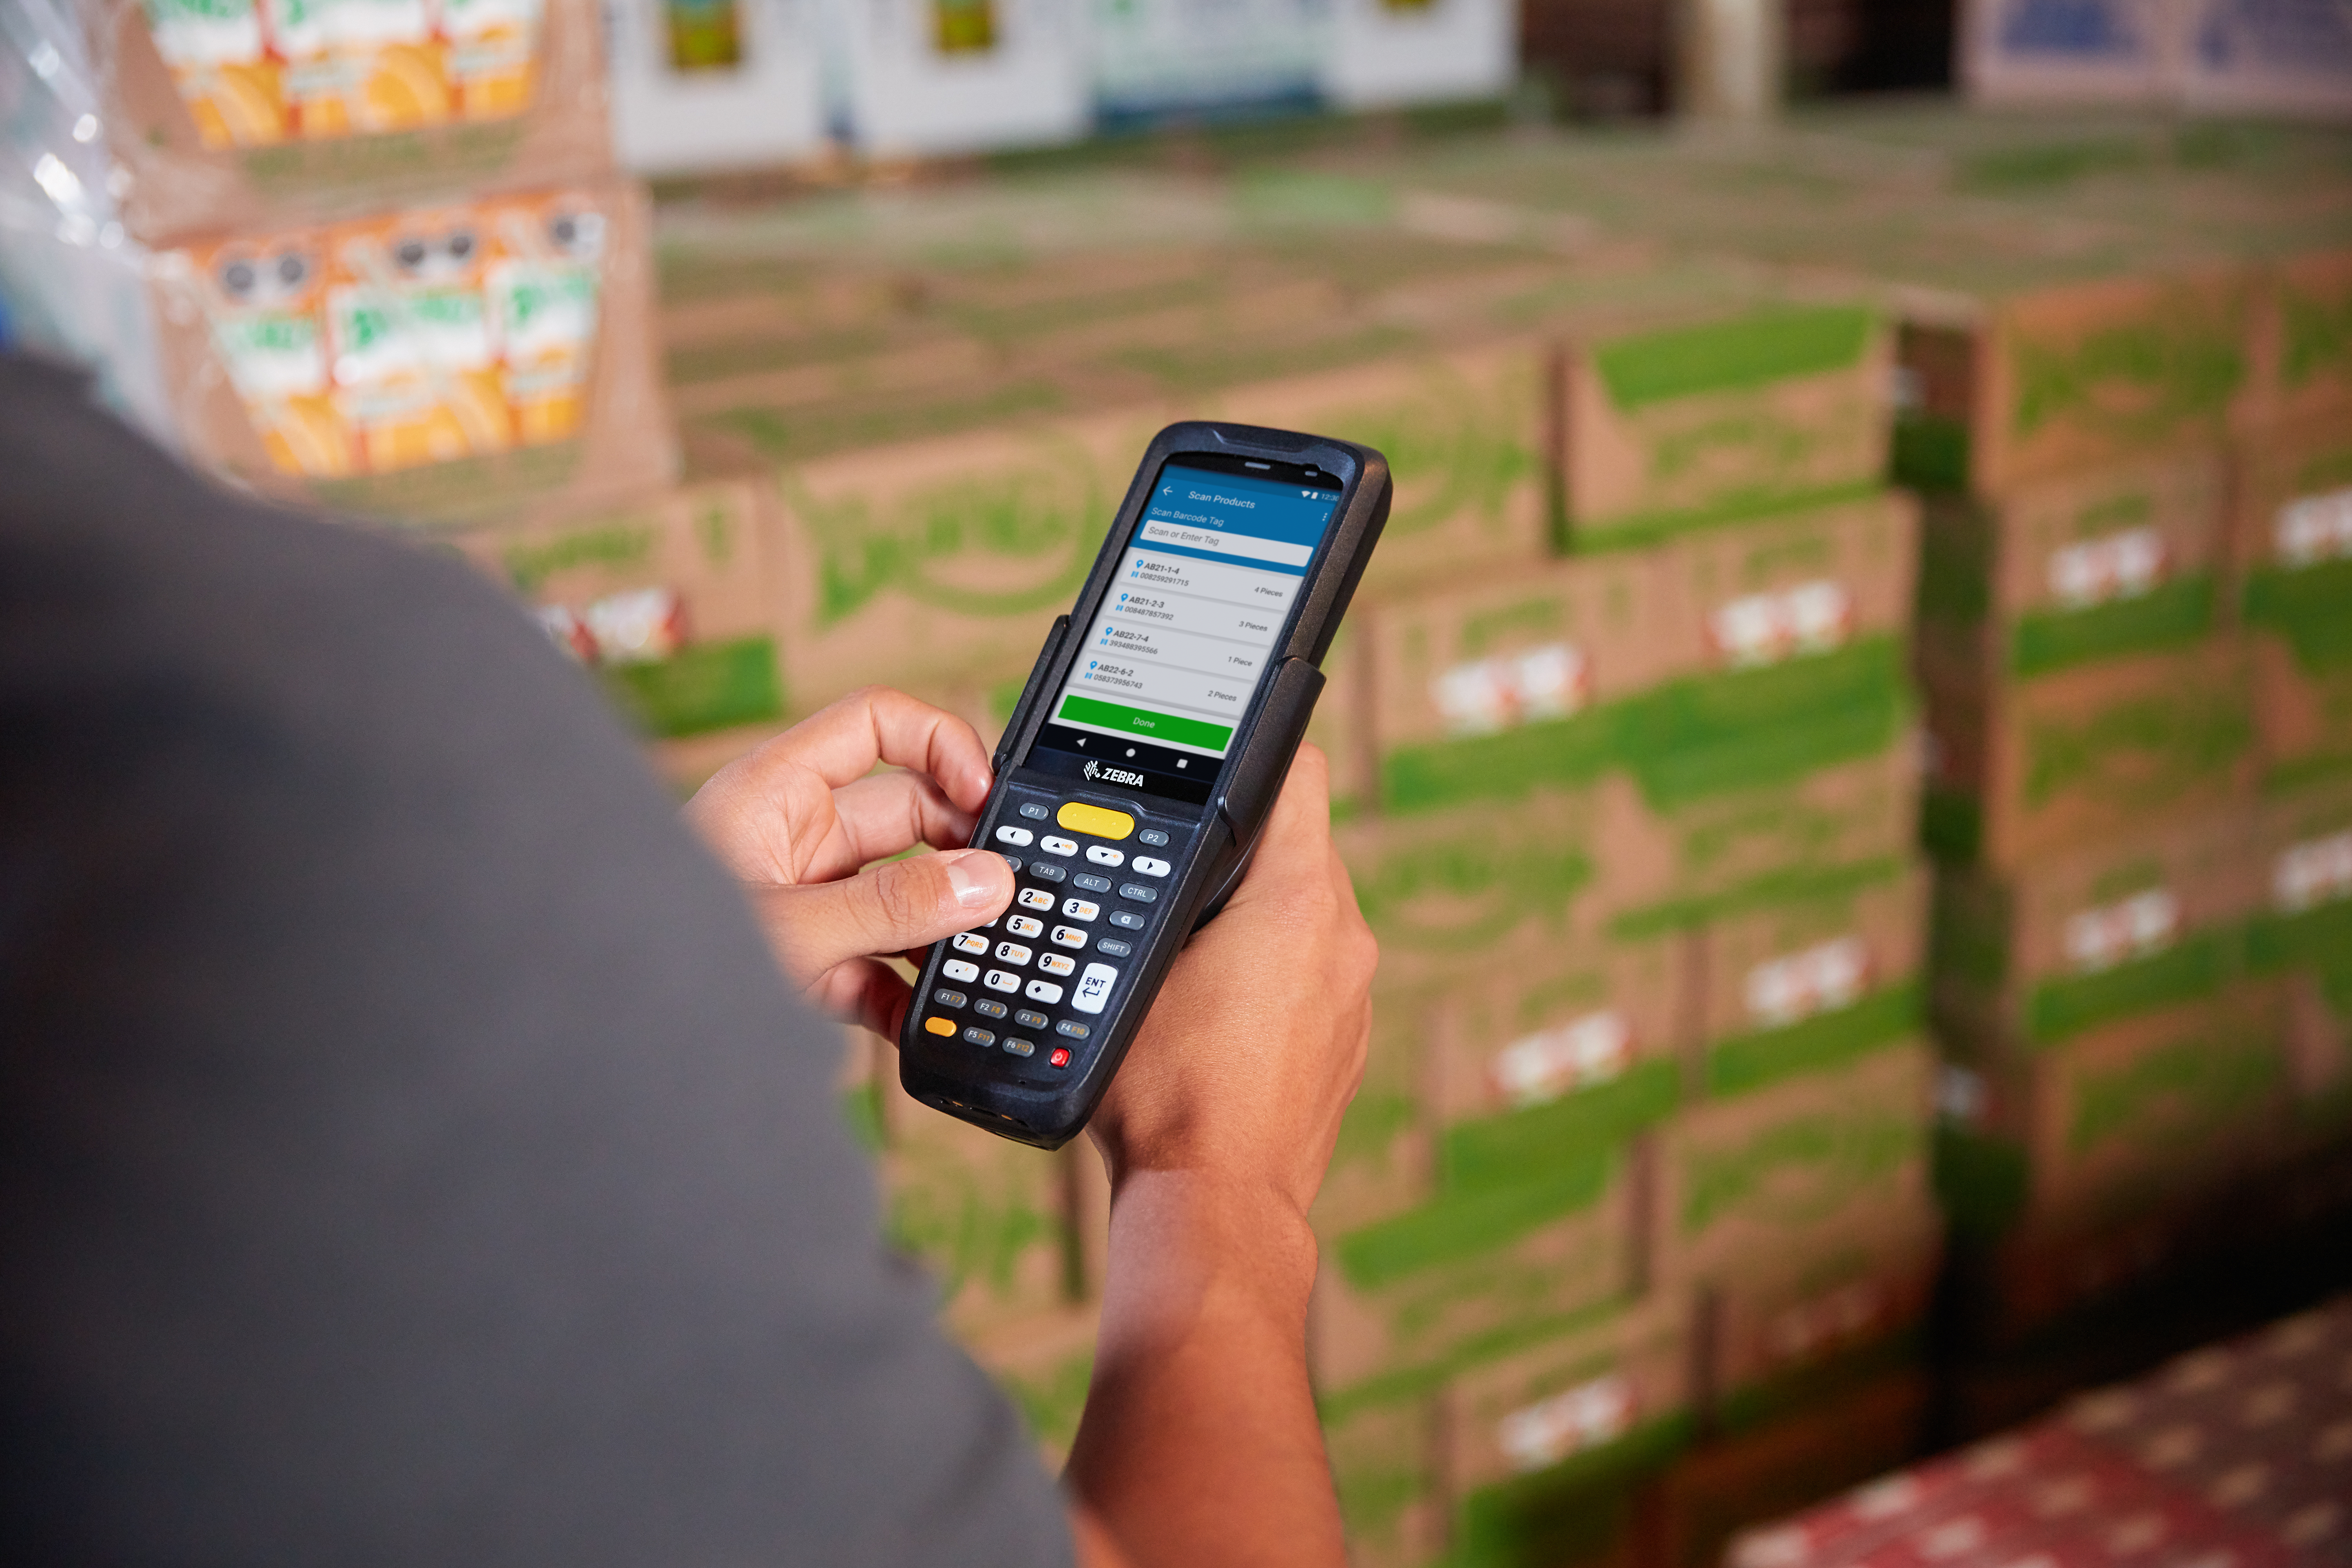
pixel 2128 739
pixel 1644 1131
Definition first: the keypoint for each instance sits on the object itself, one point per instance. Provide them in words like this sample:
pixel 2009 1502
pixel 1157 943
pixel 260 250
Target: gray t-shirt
pixel 409 1151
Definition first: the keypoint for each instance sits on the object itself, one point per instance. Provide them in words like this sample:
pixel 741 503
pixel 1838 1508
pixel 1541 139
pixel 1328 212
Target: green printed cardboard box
pixel 990 1219
pixel 946 559
pixel 2302 930
pixel 1384 1465
pixel 1772 1337
pixel 2294 530
pixel 2057 379
pixel 1454 893
pixel 668 602
pixel 1464 435
pixel 1044 1364
pixel 2028 960
pixel 1790 1170
pixel 1385 1159
pixel 1543 1447
pixel 1532 1065
pixel 1401 1303
pixel 2027 768
pixel 1682 863
pixel 1814 981
pixel 2304 340
pixel 2127 558
pixel 1704 656
pixel 1341 723
pixel 1679 424
pixel 2152 1109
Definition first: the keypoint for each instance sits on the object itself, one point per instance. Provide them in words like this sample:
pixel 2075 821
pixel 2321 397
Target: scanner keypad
pixel 1061 971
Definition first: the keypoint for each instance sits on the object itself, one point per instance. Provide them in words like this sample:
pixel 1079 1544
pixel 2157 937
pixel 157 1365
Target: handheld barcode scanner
pixel 1134 775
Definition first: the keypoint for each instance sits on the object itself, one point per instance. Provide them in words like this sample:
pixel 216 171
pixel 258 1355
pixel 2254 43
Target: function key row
pixel 1097 854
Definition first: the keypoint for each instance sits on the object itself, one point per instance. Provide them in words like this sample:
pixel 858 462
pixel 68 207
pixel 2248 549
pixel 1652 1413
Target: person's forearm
pixel 1200 1444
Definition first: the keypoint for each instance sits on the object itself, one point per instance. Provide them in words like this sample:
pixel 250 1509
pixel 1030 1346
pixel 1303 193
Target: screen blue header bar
pixel 1234 503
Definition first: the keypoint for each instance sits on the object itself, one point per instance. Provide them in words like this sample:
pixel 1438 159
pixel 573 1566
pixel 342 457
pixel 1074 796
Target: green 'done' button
pixel 1142 721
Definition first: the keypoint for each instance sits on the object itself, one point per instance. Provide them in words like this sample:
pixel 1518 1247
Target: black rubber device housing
pixel 1210 844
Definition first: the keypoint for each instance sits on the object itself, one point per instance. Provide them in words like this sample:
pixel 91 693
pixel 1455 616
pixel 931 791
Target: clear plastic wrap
pixel 72 283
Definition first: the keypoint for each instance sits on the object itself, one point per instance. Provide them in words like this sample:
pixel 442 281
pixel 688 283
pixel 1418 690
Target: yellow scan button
pixel 940 1025
pixel 1099 820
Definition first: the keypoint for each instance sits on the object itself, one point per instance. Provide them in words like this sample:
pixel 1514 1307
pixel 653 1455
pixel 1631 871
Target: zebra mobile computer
pixel 1146 753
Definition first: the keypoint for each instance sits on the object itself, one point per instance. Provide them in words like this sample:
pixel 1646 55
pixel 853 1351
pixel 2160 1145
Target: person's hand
pixel 1257 1042
pixel 796 819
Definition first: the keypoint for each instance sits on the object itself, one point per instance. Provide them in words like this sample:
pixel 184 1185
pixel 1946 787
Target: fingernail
pixel 972 887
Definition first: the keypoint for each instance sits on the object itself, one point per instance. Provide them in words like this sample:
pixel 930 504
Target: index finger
pixel 843 741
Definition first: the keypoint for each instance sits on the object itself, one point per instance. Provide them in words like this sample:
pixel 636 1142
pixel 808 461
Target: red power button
pixel 1061 1057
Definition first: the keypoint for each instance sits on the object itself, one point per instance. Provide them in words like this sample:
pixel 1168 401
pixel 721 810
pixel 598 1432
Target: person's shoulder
pixel 141 574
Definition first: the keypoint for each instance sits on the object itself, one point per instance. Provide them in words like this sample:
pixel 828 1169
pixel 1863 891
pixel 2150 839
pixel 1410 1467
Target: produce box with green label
pixel 992 1220
pixel 2303 339
pixel 2037 383
pixel 1044 1363
pixel 1814 980
pixel 2127 1118
pixel 2155 916
pixel 1384 1466
pixel 1464 435
pixel 1531 1068
pixel 1402 1303
pixel 2122 558
pixel 1451 894
pixel 1679 424
pixel 2023 768
pixel 944 559
pixel 1752 656
pixel 2294 536
pixel 1541 1445
pixel 667 602
pixel 2302 930
pixel 1795 1167
pixel 1774 1338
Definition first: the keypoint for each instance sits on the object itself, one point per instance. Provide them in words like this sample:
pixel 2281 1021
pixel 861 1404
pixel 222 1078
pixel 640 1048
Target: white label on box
pixel 2315 871
pixel 1490 694
pixel 1806 1328
pixel 1586 1416
pixel 1759 629
pixel 2315 529
pixel 643 626
pixel 1797 985
pixel 2099 938
pixel 2114 566
pixel 1962 1096
pixel 1596 1048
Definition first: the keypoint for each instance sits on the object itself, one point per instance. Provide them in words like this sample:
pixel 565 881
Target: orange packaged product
pixel 543 304
pixel 217 53
pixel 263 304
pixel 414 364
pixel 489 55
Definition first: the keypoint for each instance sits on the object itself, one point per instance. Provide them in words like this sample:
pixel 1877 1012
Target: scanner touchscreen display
pixel 1201 598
